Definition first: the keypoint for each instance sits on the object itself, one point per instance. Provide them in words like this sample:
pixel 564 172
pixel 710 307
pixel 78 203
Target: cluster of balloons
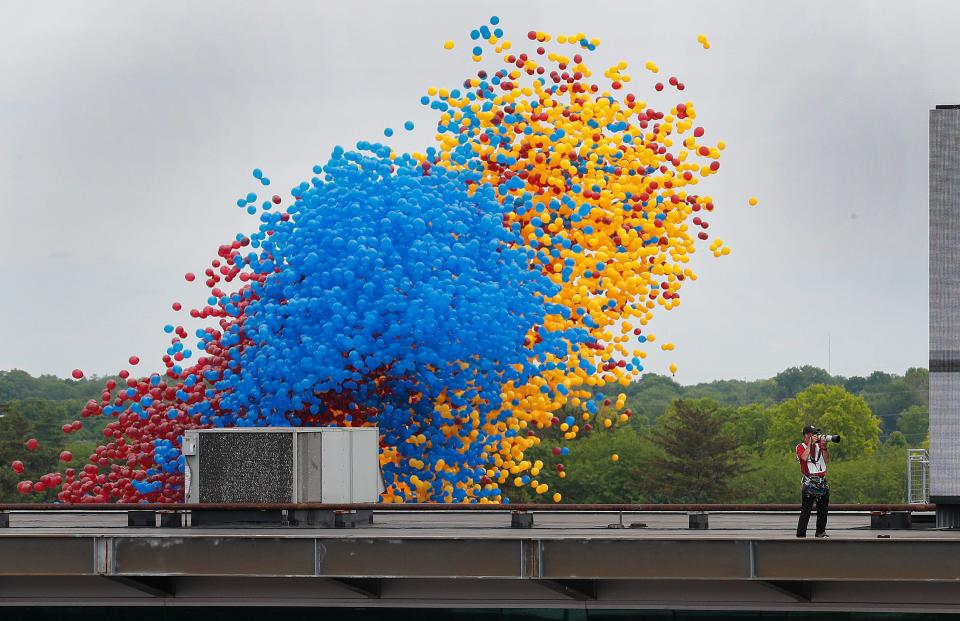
pixel 458 298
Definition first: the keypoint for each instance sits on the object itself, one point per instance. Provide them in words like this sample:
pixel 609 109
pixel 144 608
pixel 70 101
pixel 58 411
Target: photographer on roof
pixel 814 456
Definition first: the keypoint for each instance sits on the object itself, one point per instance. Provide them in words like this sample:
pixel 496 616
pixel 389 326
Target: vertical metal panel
pixel 945 434
pixel 309 447
pixel 944 302
pixel 335 466
pixel 365 465
pixel 190 444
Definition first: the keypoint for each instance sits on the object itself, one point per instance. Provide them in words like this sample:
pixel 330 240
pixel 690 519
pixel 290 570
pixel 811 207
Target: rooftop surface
pixel 496 525
pixel 744 561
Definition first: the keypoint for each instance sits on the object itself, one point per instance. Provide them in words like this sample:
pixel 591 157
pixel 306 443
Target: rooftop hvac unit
pixel 282 464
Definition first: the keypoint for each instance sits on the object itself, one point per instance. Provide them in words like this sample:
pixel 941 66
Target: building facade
pixel 944 166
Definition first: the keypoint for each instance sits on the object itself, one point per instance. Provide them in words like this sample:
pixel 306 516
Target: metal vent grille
pixel 246 467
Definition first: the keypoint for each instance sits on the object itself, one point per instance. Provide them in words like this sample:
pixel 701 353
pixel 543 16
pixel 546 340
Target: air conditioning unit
pixel 282 465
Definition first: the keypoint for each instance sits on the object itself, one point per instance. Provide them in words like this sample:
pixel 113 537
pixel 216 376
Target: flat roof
pixel 745 561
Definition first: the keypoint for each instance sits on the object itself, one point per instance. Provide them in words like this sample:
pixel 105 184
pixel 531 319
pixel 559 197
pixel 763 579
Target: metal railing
pixel 435 507
pixel 918 476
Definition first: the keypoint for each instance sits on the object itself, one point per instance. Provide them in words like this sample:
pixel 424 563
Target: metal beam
pixel 797 590
pixel 436 507
pixel 678 558
pixel 580 590
pixel 157 586
pixel 368 587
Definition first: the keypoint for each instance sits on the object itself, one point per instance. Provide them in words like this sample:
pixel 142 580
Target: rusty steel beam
pixel 558 508
pixel 569 564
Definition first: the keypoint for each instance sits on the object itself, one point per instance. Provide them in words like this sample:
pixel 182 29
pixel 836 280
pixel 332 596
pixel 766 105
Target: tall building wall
pixel 945 304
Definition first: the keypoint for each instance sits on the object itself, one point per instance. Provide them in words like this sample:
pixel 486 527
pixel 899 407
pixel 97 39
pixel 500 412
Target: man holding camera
pixel 813 456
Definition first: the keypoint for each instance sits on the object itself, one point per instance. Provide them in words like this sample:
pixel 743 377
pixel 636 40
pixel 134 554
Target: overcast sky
pixel 128 130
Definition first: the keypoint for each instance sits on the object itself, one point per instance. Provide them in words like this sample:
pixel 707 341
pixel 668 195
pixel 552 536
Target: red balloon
pixel 32 444
pixel 66 456
pixel 134 360
pixel 17 466
pixel 556 450
pixel 77 374
pixel 25 487
pixel 276 199
pixel 177 306
pixel 189 276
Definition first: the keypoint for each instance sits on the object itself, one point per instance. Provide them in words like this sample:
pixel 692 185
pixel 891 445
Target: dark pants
pixel 806 507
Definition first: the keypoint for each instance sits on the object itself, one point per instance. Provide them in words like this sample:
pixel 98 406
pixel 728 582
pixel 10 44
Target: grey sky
pixel 128 130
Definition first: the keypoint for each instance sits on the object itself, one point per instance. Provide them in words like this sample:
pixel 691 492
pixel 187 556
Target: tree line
pixel 722 441
pixel 734 441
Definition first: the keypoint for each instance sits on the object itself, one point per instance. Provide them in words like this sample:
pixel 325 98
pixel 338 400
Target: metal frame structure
pixel 918 476
pixel 464 556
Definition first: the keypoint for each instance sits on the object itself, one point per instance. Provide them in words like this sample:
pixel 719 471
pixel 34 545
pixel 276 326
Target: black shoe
pixel 822 536
pixel 801 536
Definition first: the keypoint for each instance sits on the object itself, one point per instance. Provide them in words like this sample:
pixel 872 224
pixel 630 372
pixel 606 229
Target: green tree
pixel 834 410
pixel 592 476
pixel 15 430
pixel 896 440
pixel 855 384
pixel 881 477
pixel 733 392
pixel 769 477
pixel 17 384
pixel 751 425
pixel 918 381
pixel 697 456
pixel 649 397
pixel 914 423
pixel 795 379
pixel 888 397
pixel 48 417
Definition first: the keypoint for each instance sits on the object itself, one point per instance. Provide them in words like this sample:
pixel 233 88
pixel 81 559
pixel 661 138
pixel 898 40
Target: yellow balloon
pixel 614 457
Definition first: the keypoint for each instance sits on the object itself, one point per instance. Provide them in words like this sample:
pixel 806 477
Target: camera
pixel 827 437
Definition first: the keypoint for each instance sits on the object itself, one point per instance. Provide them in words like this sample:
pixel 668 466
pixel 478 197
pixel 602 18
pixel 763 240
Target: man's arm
pixel 826 452
pixel 804 453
